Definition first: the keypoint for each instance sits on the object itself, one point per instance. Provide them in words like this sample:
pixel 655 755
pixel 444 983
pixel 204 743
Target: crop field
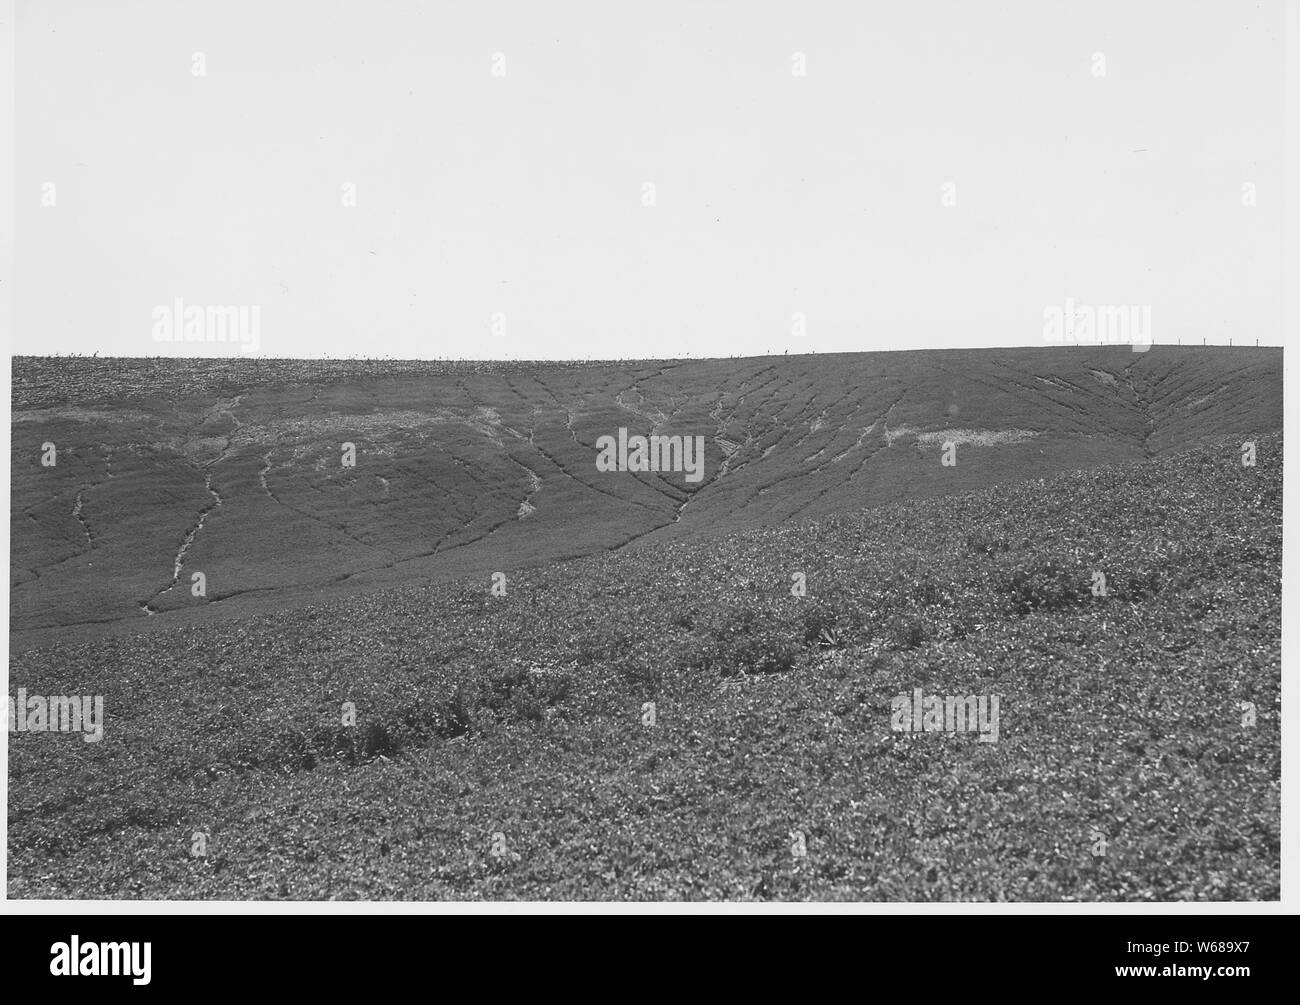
pixel 435 652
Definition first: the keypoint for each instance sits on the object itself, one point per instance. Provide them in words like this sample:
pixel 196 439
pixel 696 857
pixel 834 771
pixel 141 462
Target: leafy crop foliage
pixel 1045 586
pixel 524 715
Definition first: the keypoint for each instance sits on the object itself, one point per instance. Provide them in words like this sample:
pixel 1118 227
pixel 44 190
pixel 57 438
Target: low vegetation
pixel 671 721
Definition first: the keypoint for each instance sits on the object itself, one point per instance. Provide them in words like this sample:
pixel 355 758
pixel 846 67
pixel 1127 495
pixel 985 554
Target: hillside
pixel 234 468
pixel 504 746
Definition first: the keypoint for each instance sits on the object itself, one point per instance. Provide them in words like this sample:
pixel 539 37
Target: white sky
pixel 522 194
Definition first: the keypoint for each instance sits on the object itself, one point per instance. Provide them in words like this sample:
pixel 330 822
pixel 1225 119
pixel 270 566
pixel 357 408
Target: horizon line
pixel 263 357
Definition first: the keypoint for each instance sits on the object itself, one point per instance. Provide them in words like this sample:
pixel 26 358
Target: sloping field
pixel 671 721
pixel 235 469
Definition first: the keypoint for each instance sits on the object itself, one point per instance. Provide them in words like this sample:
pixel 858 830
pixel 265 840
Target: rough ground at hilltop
pixel 234 468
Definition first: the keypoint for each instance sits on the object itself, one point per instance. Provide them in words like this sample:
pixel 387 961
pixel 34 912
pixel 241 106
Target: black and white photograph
pixel 692 453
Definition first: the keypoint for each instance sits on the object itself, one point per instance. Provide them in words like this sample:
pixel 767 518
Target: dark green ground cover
pixel 1121 717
